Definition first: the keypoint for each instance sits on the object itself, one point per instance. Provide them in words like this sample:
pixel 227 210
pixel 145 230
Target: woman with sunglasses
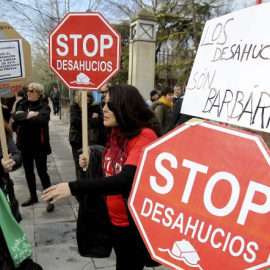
pixel 32 128
pixel 131 126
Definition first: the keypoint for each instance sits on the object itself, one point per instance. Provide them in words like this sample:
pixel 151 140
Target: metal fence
pixel 171 67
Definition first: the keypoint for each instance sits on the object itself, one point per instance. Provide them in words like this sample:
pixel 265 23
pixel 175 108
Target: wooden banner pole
pixel 85 127
pixel 3 135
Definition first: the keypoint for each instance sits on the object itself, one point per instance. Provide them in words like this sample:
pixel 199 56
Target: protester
pixel 153 97
pixel 95 125
pixel 32 121
pixel 163 110
pixel 55 98
pixel 104 90
pixel 20 97
pixel 10 215
pixel 132 126
pixel 7 103
pixel 177 93
pixel 178 117
pixel 13 162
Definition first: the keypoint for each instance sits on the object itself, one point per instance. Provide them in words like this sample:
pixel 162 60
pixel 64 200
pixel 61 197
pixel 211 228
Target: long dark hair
pixel 8 130
pixel 131 112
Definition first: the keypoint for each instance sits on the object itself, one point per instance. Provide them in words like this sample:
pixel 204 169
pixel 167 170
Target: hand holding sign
pixel 8 164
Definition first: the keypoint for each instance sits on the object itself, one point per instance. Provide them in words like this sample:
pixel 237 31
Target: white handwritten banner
pixel 11 60
pixel 230 78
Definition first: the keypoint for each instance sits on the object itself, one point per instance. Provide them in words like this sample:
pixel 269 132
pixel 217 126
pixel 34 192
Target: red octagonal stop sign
pixel 201 199
pixel 84 50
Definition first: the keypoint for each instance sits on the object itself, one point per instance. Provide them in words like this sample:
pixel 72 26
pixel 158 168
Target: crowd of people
pixel 122 123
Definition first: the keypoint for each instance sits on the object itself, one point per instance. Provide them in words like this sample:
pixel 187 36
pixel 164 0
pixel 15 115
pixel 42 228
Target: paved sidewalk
pixel 53 235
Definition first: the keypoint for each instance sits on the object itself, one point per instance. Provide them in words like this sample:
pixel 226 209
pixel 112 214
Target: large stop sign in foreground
pixel 84 50
pixel 201 199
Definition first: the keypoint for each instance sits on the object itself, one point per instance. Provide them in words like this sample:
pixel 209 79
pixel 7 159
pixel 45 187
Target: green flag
pixel 17 242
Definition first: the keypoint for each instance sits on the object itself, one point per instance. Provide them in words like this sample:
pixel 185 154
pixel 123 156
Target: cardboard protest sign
pixel 230 79
pixel 15 68
pixel 11 60
pixel 15 58
pixel 5 92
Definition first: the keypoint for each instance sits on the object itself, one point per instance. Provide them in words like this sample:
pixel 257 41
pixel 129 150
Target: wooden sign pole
pixel 85 127
pixel 3 135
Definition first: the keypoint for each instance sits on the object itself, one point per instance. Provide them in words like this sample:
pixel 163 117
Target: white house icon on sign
pixel 184 251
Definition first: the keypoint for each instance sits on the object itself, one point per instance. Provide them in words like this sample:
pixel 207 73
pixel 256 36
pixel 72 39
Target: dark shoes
pixel 34 199
pixel 31 200
pixel 50 207
pixel 28 264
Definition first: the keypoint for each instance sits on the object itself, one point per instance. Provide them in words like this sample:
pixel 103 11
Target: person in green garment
pixel 15 248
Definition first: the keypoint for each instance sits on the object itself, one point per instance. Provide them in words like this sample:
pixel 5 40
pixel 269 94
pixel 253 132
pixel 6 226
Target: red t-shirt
pixel 115 203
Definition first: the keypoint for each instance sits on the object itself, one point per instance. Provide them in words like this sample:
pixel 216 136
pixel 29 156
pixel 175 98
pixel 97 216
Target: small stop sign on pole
pixel 201 199
pixel 84 50
pixel 84 53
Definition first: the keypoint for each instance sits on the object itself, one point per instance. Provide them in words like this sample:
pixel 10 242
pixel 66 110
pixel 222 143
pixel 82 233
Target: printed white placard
pixel 230 78
pixel 11 60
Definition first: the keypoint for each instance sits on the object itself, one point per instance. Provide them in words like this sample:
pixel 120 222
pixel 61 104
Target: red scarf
pixel 115 152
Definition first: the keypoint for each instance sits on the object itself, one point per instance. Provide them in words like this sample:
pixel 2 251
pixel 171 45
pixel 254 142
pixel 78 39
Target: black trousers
pixel 129 248
pixel 55 108
pixel 40 158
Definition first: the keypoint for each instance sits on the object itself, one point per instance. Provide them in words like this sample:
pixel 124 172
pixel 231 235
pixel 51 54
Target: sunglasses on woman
pixel 109 105
pixel 31 91
pixel 104 92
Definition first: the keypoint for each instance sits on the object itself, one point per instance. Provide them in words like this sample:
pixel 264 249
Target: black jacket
pixel 33 133
pixel 178 117
pixel 55 96
pixel 93 223
pixel 95 125
pixel 93 220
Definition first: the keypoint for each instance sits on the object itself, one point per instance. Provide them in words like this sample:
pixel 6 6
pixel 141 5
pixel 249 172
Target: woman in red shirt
pixel 132 126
